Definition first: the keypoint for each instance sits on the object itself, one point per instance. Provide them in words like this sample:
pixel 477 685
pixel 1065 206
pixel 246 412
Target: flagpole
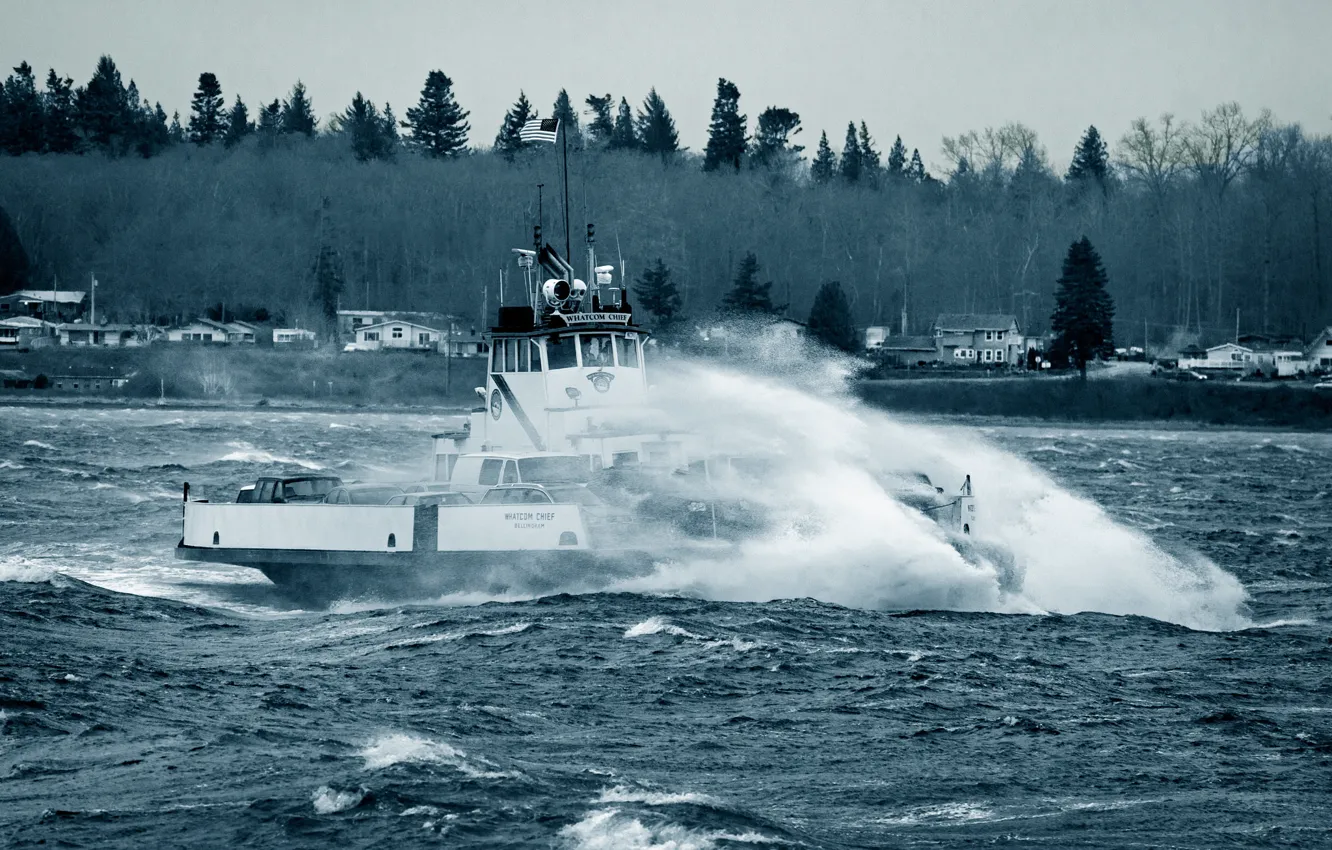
pixel 564 134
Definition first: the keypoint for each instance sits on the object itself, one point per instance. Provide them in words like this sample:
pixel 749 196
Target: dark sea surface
pixel 150 702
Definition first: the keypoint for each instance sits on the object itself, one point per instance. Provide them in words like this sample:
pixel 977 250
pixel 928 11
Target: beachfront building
pixel 204 330
pixel 109 335
pixel 294 338
pixel 1226 357
pixel 397 336
pixel 24 333
pixel 53 305
pixel 1319 353
pixel 875 336
pixel 986 339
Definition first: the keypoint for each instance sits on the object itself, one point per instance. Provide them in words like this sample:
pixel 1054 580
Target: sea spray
pixel 839 534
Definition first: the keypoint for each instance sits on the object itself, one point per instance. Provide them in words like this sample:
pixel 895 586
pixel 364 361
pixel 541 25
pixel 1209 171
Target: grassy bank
pixel 1282 405
pixel 253 373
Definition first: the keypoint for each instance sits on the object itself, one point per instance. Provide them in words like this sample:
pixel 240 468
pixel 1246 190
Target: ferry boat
pixel 565 410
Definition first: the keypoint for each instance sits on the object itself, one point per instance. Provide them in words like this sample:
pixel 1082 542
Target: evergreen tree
pixel 772 146
pixel 439 125
pixel 624 136
pixel 508 140
pixel 13 259
pixel 269 124
pixel 830 319
pixel 1091 161
pixel 656 127
pixel 825 161
pixel 207 112
pixel 916 170
pixel 154 136
pixel 389 140
pixel 24 122
pixel 327 271
pixel 1083 319
pixel 59 113
pixel 176 130
pixel 564 111
pixel 897 159
pixel 238 124
pixel 727 132
pixel 658 294
pixel 104 114
pixel 869 157
pixel 363 123
pixel 602 125
pixel 298 112
pixel 747 295
pixel 851 161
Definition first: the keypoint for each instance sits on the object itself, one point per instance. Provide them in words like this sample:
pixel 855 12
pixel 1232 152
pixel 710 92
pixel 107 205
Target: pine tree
pixel 176 130
pixel 624 136
pixel 658 294
pixel 772 146
pixel 59 113
pixel 362 122
pixel 439 125
pixel 207 111
pixel 656 127
pixel 298 112
pixel 1091 161
pixel 916 170
pixel 869 157
pixel 1083 319
pixel 508 140
pixel 602 125
pixel 104 115
pixel 564 111
pixel 238 124
pixel 389 140
pixel 747 295
pixel 327 271
pixel 24 121
pixel 825 162
pixel 851 162
pixel 897 159
pixel 269 124
pixel 727 132
pixel 154 135
pixel 830 319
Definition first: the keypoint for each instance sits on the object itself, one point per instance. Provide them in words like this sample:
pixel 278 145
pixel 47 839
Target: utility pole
pixel 1237 325
pixel 92 276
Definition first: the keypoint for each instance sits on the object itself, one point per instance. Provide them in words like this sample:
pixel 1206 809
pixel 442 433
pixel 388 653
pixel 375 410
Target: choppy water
pixel 149 703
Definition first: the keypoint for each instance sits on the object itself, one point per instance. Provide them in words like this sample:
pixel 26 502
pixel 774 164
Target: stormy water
pixel 1158 672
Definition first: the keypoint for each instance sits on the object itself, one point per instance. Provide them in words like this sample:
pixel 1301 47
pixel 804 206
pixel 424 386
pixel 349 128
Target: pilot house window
pixel 626 349
pixel 561 352
pixel 596 349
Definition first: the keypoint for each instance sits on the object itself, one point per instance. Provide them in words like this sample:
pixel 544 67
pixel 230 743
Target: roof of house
pixel 975 321
pixel 303 331
pixel 24 322
pixel 240 327
pixel 60 296
pixel 1233 345
pixel 909 343
pixel 84 326
pixel 395 322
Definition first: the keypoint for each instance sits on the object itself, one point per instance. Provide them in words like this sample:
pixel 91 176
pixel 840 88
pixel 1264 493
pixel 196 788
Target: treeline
pixel 277 210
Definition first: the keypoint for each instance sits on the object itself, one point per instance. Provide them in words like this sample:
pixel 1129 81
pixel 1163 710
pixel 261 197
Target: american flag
pixel 540 130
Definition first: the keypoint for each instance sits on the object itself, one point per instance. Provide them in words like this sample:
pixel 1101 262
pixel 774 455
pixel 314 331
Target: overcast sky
pixel 922 69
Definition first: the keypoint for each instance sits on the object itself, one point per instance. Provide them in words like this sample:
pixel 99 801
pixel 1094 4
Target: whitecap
pixel 38 444
pixel 328 801
pixel 624 794
pixel 399 748
pixel 610 829
pixel 656 625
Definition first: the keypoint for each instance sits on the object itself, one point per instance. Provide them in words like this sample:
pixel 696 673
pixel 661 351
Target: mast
pixel 564 135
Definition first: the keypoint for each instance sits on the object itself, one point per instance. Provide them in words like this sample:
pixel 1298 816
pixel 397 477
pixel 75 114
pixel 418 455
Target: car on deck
pixel 362 494
pixel 436 498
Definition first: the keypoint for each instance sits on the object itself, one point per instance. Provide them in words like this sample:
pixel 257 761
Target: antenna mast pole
pixel 564 135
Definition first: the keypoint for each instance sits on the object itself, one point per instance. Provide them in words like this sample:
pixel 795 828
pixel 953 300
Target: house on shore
pixel 53 305
pixel 908 351
pixel 210 331
pixel 397 336
pixel 991 339
pixel 351 321
pixel 24 333
pixel 1226 357
pixel 294 338
pixel 109 335
pixel 1319 352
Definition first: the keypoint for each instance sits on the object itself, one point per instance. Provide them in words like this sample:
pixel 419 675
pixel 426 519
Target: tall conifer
pixel 104 115
pixel 602 124
pixel 1083 318
pixel 897 159
pixel 830 319
pixel 825 161
pixel 298 112
pixel 916 170
pixel 624 136
pixel 24 121
pixel 657 293
pixel 851 162
pixel 508 140
pixel 238 124
pixel 59 113
pixel 269 125
pixel 564 111
pixel 772 146
pixel 439 125
pixel 656 127
pixel 869 157
pixel 207 113
pixel 727 131
pixel 747 296
pixel 1091 161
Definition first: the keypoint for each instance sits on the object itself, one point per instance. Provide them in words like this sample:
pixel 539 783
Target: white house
pixel 982 338
pixel 207 330
pixel 875 336
pixel 22 333
pixel 294 337
pixel 115 336
pixel 1319 354
pixel 402 336
pixel 1226 356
